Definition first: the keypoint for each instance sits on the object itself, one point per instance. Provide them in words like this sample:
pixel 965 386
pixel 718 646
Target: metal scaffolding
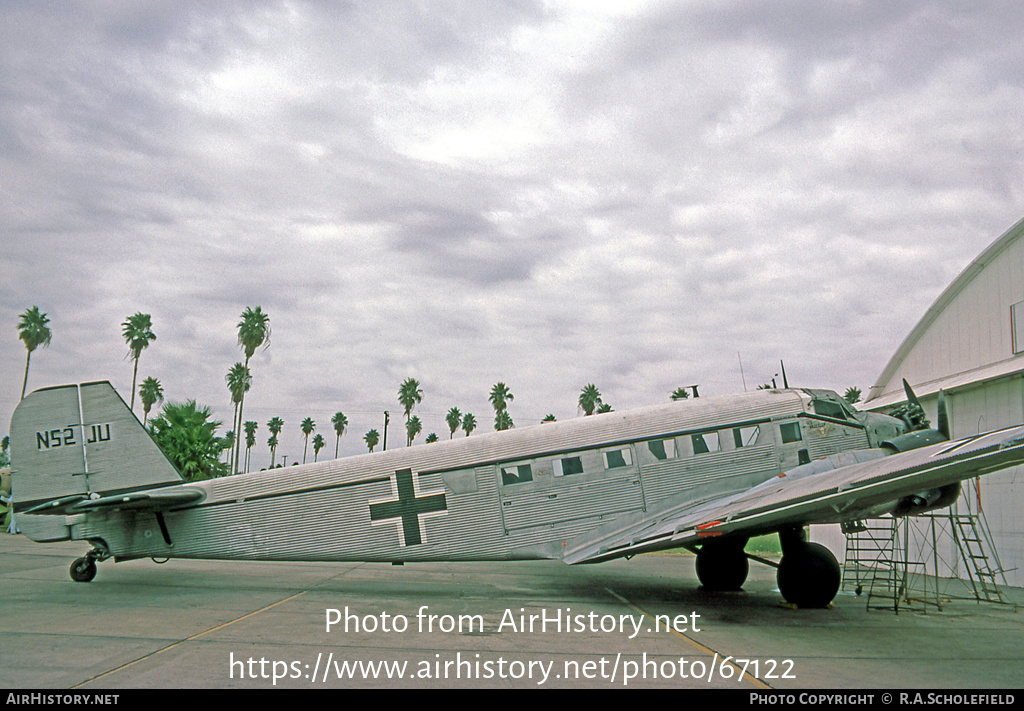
pixel 926 559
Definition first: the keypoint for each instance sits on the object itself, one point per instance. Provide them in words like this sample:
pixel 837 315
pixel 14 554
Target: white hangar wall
pixel 969 332
pixel 970 344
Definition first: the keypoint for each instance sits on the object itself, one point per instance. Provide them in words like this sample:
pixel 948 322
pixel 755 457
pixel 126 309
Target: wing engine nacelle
pixel 925 501
pixel 913 440
pixel 919 503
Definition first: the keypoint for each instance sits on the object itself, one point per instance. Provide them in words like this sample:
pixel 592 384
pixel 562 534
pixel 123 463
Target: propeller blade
pixel 943 413
pixel 911 397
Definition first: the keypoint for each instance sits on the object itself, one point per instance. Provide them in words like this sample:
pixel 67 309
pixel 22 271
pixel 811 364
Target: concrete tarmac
pixel 217 624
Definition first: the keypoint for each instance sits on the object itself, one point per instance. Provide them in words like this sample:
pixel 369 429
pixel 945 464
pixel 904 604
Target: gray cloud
pixel 544 194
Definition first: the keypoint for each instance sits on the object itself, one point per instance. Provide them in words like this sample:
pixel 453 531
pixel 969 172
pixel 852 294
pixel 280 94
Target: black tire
pixel 809 575
pixel 722 568
pixel 83 570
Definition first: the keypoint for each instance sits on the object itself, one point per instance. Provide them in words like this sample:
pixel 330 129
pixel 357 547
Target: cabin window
pixel 618 458
pixel 790 432
pixel 516 474
pixel 706 443
pixel 568 466
pixel 745 436
pixel 662 448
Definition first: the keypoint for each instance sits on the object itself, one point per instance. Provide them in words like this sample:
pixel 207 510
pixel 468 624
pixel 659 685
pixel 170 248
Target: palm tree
pixel 454 420
pixel 431 438
pixel 275 425
pixel 239 380
pixel 228 442
pixel 680 394
pixel 589 399
pixel 603 408
pixel 412 428
pixel 340 422
pixel 503 421
pixel 137 332
pixel 468 423
pixel 408 395
pixel 318 444
pixel 549 418
pixel 253 332
pixel 188 437
pixel 250 439
pixel 272 443
pixel 307 428
pixel 32 329
pixel 372 439
pixel 852 395
pixel 150 392
pixel 499 397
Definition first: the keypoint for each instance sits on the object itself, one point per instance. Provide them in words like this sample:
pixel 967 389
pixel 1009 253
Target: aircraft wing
pixel 843 494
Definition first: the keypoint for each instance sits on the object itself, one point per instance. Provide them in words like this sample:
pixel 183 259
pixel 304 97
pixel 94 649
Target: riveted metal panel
pixel 827 438
pixel 667 478
pixel 572 501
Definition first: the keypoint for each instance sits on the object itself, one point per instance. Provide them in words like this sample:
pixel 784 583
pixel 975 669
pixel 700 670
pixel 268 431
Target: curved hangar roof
pixel 973 332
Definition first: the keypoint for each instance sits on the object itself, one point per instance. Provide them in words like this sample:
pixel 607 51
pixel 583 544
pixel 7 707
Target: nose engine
pixel 882 428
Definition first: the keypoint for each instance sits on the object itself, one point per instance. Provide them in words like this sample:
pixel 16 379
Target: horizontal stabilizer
pixel 154 500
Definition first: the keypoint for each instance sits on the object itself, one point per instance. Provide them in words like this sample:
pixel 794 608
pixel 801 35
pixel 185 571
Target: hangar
pixel 970 345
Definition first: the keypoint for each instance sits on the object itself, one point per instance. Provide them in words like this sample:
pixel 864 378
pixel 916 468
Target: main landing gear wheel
pixel 83 569
pixel 809 575
pixel 722 567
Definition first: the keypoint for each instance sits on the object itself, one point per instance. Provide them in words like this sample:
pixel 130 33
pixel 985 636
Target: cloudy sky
pixel 548 194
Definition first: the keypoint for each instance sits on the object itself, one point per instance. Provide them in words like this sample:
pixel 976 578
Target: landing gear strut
pixel 83 570
pixel 809 575
pixel 722 566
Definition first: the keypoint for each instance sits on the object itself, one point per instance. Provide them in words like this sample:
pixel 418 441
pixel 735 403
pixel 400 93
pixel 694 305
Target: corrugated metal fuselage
pixel 520 494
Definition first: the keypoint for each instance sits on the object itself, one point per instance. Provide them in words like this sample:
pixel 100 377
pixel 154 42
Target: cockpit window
pixel 827 408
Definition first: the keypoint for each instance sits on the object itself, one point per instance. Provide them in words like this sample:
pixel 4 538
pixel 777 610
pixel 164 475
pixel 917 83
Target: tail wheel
pixel 722 567
pixel 809 575
pixel 83 569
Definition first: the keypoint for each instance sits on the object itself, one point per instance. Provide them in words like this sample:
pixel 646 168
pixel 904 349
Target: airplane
pixel 704 474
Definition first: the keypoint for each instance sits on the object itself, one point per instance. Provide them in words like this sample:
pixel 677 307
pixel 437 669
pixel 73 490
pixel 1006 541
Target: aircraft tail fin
pixel 81 441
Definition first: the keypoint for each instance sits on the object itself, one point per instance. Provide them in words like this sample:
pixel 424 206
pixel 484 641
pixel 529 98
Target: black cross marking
pixel 408 507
